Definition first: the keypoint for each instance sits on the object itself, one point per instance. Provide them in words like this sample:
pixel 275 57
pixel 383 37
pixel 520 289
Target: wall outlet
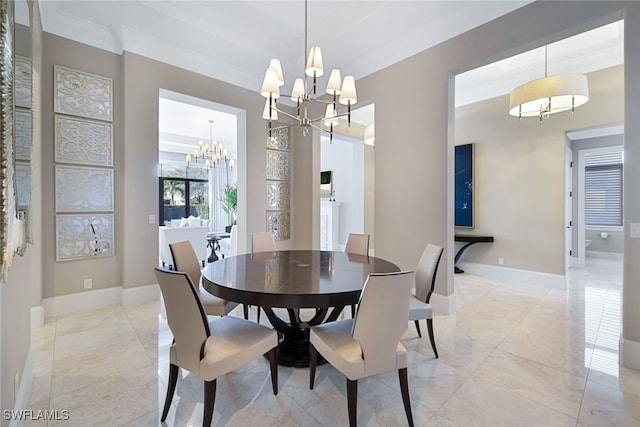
pixel 500 261
pixel 88 283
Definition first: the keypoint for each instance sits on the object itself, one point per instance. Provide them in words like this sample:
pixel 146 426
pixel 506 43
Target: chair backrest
pixel 186 260
pixel 263 242
pixel 382 318
pixel 233 240
pixel 186 317
pixel 357 244
pixel 427 270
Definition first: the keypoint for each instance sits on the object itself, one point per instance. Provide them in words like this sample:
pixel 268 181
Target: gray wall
pixel 519 174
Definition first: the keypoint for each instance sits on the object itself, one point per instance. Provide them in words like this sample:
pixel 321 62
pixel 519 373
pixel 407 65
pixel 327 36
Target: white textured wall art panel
pixel 279 223
pixel 80 189
pixel 22 87
pixel 279 139
pixel 83 141
pixel 277 196
pixel 278 165
pixel 23 135
pixel 84 236
pixel 23 184
pixel 83 94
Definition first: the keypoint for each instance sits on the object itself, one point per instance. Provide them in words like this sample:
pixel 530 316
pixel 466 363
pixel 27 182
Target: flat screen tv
pixel 464 186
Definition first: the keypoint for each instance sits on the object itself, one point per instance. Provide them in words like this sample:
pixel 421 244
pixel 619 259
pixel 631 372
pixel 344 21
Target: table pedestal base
pixel 293 345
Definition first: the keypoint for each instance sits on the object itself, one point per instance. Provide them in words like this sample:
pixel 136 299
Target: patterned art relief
pixel 83 141
pixel 83 189
pixel 84 236
pixel 278 165
pixel 279 139
pixel 279 224
pixel 83 94
pixel 23 184
pixel 23 122
pixel 22 88
pixel 277 196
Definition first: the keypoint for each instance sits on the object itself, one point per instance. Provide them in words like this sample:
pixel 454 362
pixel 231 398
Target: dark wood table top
pixel 292 279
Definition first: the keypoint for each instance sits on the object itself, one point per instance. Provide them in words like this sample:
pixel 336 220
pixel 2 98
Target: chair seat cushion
pixel 334 342
pixel 233 343
pixel 419 310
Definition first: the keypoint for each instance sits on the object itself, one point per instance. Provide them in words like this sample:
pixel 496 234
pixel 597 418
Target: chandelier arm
pixel 288 115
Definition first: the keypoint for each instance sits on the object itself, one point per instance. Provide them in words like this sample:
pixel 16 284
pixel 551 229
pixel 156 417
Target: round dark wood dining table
pixel 326 281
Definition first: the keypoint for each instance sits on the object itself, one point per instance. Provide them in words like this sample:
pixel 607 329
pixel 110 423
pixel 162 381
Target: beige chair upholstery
pixel 370 343
pixel 263 242
pixel 185 259
pixel 357 244
pixel 208 350
pixel 419 307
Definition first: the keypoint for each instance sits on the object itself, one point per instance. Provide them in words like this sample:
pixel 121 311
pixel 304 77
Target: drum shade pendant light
pixel 341 91
pixel 549 95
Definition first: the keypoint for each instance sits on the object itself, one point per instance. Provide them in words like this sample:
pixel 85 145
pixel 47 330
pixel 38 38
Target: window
pixel 603 189
pixel 181 196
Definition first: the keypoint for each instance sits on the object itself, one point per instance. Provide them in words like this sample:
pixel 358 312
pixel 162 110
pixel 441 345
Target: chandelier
pixel 212 153
pixel 341 91
pixel 549 95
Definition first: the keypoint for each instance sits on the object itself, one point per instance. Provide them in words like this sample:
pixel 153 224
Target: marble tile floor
pixel 513 354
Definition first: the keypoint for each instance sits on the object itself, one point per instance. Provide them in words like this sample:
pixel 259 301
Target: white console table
pixel 329 225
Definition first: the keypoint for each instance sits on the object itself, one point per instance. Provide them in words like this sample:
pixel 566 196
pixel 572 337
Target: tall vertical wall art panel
pixel 81 189
pixel 83 94
pixel 82 141
pixel 84 236
pixel 23 134
pixel 277 186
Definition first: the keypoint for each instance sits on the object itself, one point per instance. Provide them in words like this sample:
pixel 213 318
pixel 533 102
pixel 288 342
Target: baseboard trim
pixel 37 316
pixel 24 389
pixel 506 273
pixel 140 294
pixel 629 354
pixel 443 304
pixel 100 298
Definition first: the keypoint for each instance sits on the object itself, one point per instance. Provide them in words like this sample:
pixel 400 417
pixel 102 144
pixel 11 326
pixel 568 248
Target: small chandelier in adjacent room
pixel 549 95
pixel 341 91
pixel 212 153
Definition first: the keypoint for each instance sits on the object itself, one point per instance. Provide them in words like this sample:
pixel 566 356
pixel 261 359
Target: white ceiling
pixel 234 40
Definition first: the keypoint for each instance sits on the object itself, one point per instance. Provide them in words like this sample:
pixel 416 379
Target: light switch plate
pixel 152 219
pixel 634 229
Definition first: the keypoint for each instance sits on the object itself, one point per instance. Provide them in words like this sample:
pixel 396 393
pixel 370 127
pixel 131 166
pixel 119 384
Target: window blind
pixel 603 189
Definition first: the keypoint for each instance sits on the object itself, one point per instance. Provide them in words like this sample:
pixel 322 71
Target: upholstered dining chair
pixel 419 307
pixel 263 242
pixel 357 244
pixel 208 350
pixel 370 343
pixel 185 259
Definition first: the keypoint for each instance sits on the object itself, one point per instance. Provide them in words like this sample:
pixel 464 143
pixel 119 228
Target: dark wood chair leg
pixel 404 389
pixel 433 341
pixel 417 323
pixel 245 311
pixel 273 361
pixel 313 361
pixel 209 402
pixel 352 401
pixel 171 388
